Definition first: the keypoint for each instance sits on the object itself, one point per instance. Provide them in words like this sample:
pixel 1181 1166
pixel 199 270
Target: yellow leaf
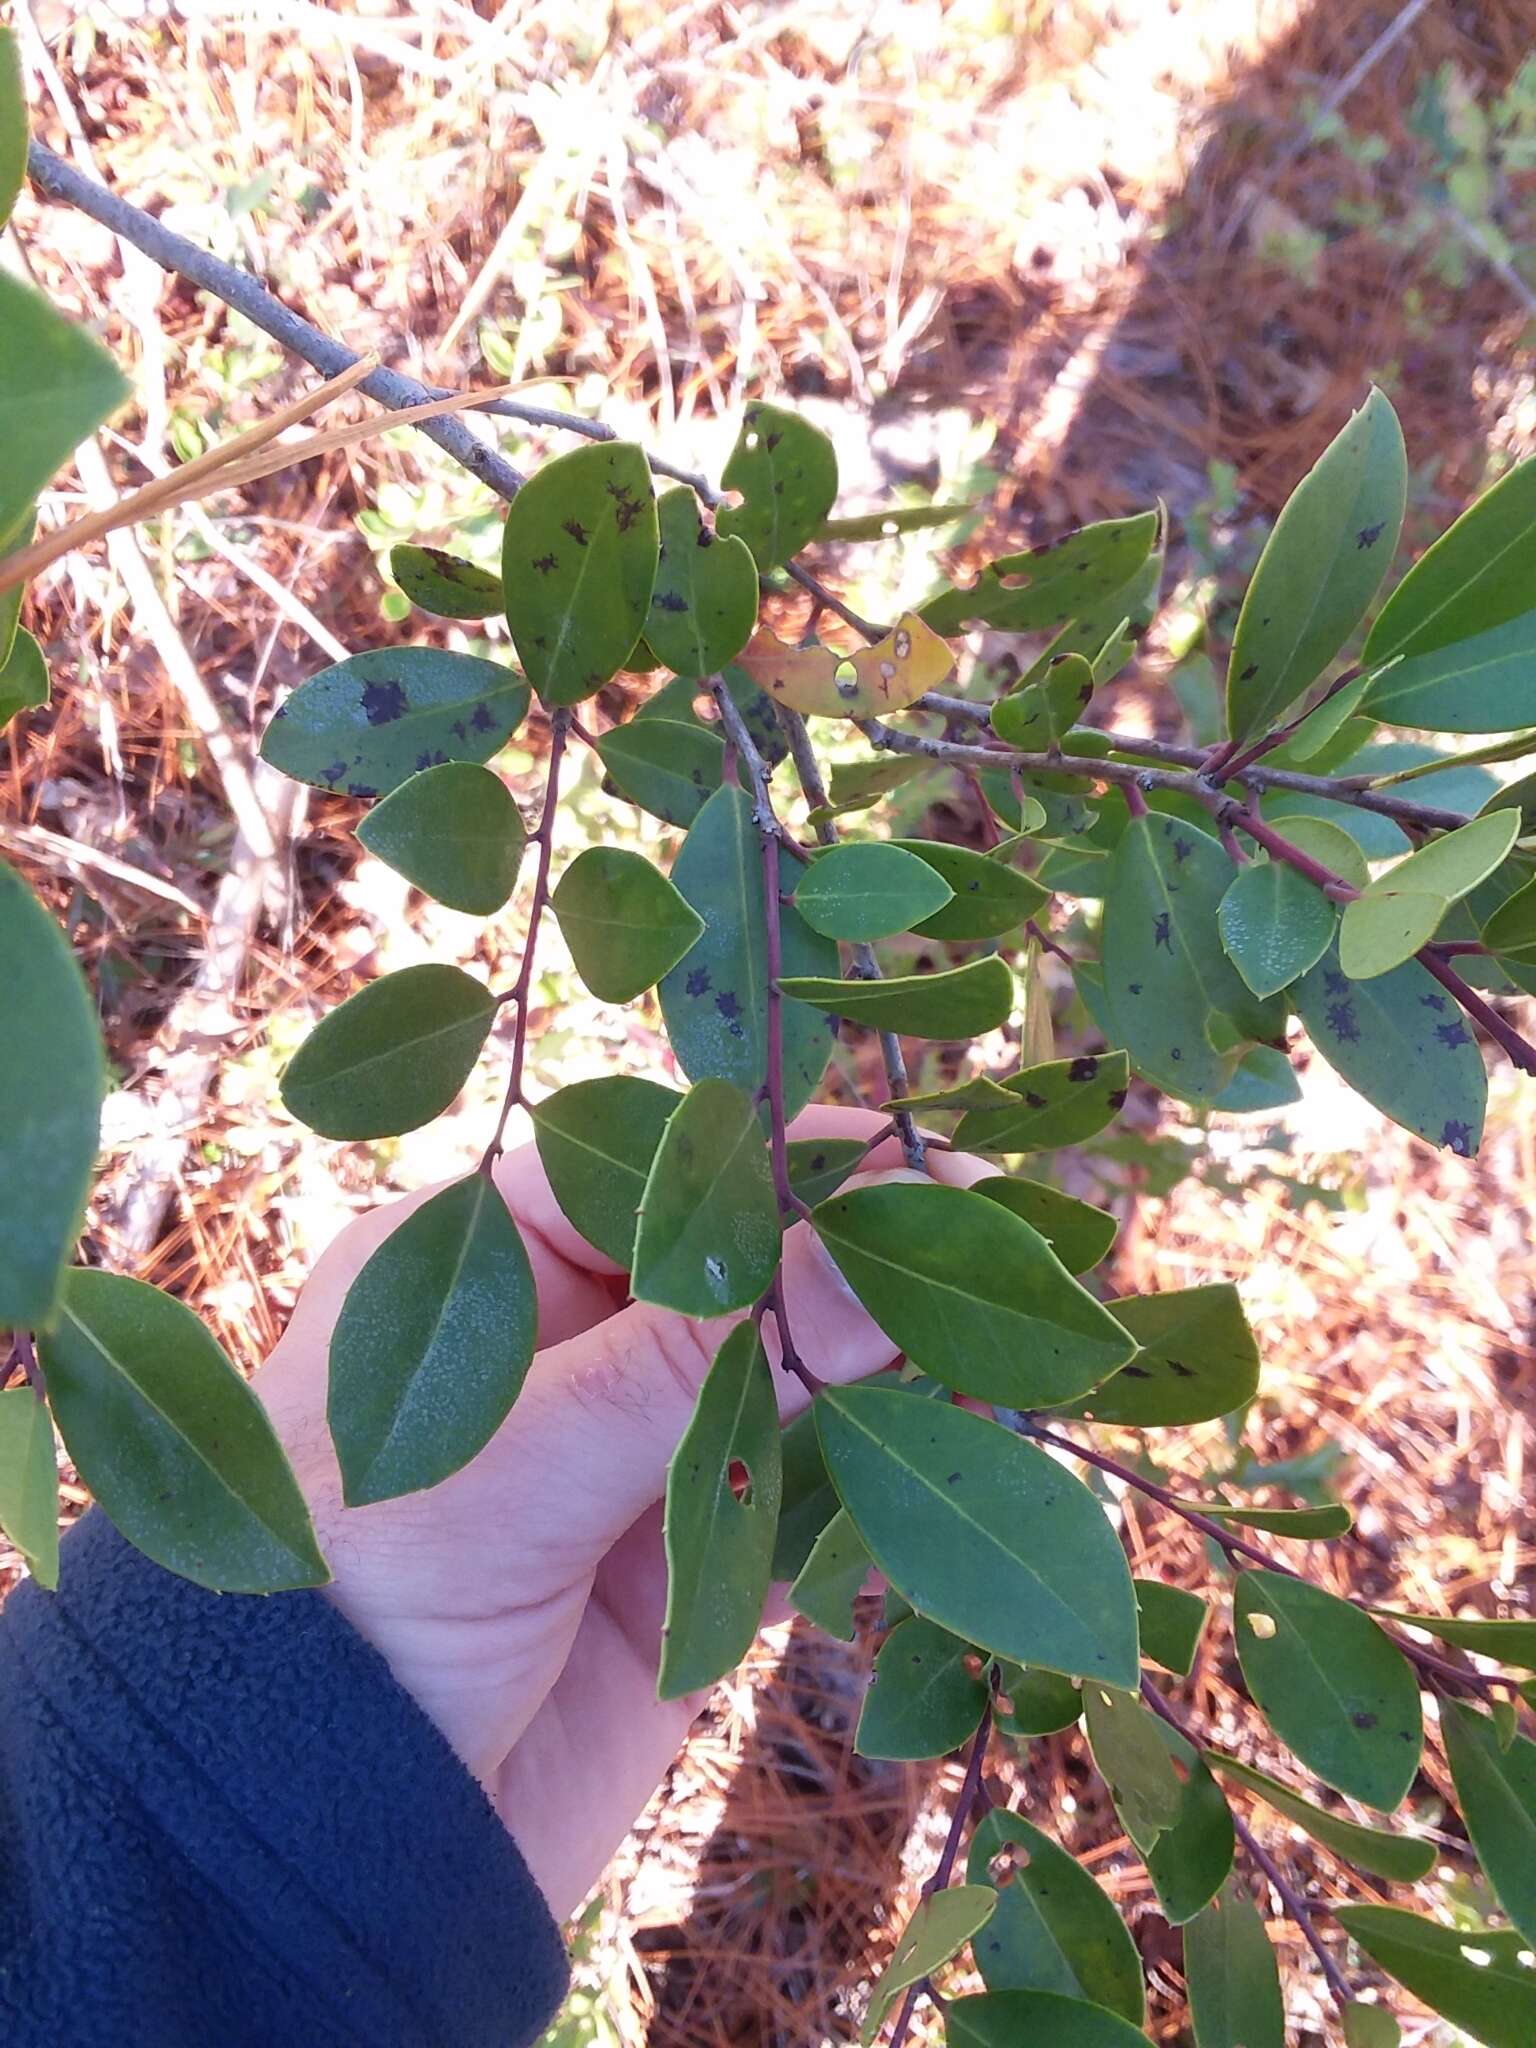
pixel 886 677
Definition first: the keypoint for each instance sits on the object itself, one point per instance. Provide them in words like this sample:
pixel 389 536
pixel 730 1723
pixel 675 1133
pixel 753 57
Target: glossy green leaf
pixel 715 1002
pixel 1481 1981
pixel 596 1141
pixel 1049 585
pixel 23 677
pixel 704 605
pixel 1054 1928
pixel 958 1002
pixel 29 1476
pixel 1370 2026
pixel 941 1924
pixel 1309 1524
pixel 1006 2019
pixel 172 1442
pixel 1234 1982
pixel 1034 1703
pixel 786 472
pixel 1329 844
pixel 393 1056
pixel 668 768
pixel 1037 715
pixel 1496 1791
pixel 1401 1042
pixel 1172 1623
pixel 1166 976
pixel 1378 933
pixel 52 1079
pixel 1507 1642
pixel 922 1700
pixel 1313 743
pixel 970 1292
pixel 868 891
pixel 989 897
pixel 1322 565
pixel 1061 1102
pixel 720 1545
pixel 983 1533
pixel 57 384
pixel 432 1344
pixel 578 563
pixel 1476 576
pixel 1401 1859
pixel 454 832
pixel 369 723
pixel 1510 931
pixel 1331 1685
pixel 624 922
pixel 1133 1760
pixel 895 519
pixel 1401 908
pixel 832 1577
pixel 708 1234
pixel 1275 924
pixel 1196 1359
pixel 13 124
pixel 446 585
pixel 1191 1860
pixel 1263 1079
pixel 1477 685
pixel 1076 1232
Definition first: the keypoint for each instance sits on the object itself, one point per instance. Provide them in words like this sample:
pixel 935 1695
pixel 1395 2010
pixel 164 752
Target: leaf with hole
pixel 1049 585
pixel 1076 1232
pixel 393 1056
pixel 940 1926
pixel 1331 1685
pixel 704 603
pixel 29 1483
pixel 989 897
pixel 52 1079
pixel 1004 2019
pixel 922 1700
pixel 983 1533
pixel 1401 1859
pixel 719 1543
pixel 957 1002
pixel 23 677
pixel 578 563
pixel 446 585
pixel 708 1234
pixel 820 683
pixel 1275 924
pixel 367 724
pixel 1191 1860
pixel 454 832
pixel 867 891
pixel 1321 566
pixel 624 922
pixel 667 767
pixel 1477 576
pixel 1196 1359
pixel 832 1577
pixel 57 384
pixel 1482 1981
pixel 1061 1102
pixel 432 1345
pixel 172 1442
pixel 1172 1623
pixel 1234 1982
pixel 1133 1760
pixel 786 472
pixel 1054 1928
pixel 970 1292
pixel 1496 1790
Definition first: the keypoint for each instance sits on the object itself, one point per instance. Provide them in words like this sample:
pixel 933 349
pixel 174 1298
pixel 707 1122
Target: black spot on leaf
pixel 1368 536
pixel 1453 1034
pixel 1162 934
pixel 544 563
pixel 480 718
pixel 1249 672
pixel 1341 1022
pixel 383 703
pixel 1458 1138
pixel 1337 984
pixel 671 601
pixel 1035 1101
pixel 333 771
pixel 697 983
pixel 1083 1069
pixel 1117 1098
pixel 576 530
pixel 1433 1002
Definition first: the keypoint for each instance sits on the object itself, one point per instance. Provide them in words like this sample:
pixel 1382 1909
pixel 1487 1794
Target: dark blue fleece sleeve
pixel 222 1821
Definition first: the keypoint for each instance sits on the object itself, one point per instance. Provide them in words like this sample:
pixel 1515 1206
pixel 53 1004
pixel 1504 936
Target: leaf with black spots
pixel 989 899
pixel 1049 585
pixel 704 603
pixel 1059 1103
pixel 446 585
pixel 924 1698
pixel 1196 1359
pixel 1036 716
pixel 786 472
pixel 667 767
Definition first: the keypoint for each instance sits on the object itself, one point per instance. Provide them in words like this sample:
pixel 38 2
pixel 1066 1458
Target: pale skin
pixel 521 1602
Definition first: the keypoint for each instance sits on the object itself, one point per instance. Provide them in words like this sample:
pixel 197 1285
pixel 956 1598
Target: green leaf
pixel 1507 1642
pixel 1477 685
pixel 896 519
pixel 1401 1859
pixel 1322 565
pixel 1005 2019
pixel 1172 1623
pixel 369 723
pixel 23 676
pixel 1401 1042
pixel 832 1578
pixel 971 1293
pixel 856 785
pixel 668 768
pixel 1314 741
pixel 1370 2026
pixel 1477 575
pixel 1264 1079
pixel 819 1166
pixel 1234 1982
pixel 446 585
pixel 1133 1760
pixel 432 1344
pixel 715 1002
pixel 1275 924
pixel 1166 976
pixel 868 891
pixel 1328 843
pixel 1496 1790
pixel 393 1056
pixel 1051 584
pixel 922 1700
pixel 52 1079
pixel 13 124
pixel 57 384
pixel 1054 1929
pixel 1190 1861
pixel 786 472
pixel 578 562
pixel 624 922
pixel 1378 933
pixel 979 1092
pixel 940 1926
pixel 12 543
pixel 1400 909
pixel 809 1502
pixel 1310 1524
pixel 708 1236
pixel 1076 1232
pixel 596 1141
pixel 453 832
pixel 704 605
pixel 1035 1703
pixel 983 1533
pixel 719 1546
pixel 1037 715
pixel 1196 1359
pixel 29 1478
pixel 1331 1685
pixel 1453 864
pixel 172 1442
pixel 958 1002
pixel 1510 931
pixel 1481 1981
pixel 1061 1102
pixel 989 898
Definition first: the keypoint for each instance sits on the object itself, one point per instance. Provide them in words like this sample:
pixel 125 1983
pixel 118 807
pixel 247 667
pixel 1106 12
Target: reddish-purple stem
pixel 966 1799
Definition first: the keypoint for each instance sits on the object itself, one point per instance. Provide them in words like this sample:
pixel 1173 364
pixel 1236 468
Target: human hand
pixel 521 1601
